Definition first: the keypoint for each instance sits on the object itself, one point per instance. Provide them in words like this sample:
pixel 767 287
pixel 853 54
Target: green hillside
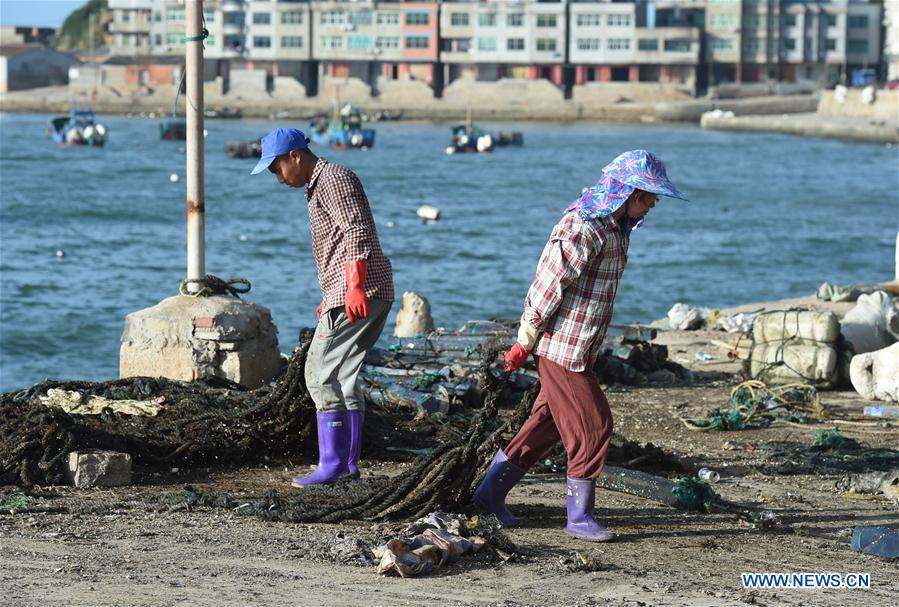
pixel 75 30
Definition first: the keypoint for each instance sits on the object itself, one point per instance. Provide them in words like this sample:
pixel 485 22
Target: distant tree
pixel 75 30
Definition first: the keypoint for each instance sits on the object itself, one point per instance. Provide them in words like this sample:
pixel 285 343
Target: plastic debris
pixel 703 356
pixel 879 541
pixel 886 411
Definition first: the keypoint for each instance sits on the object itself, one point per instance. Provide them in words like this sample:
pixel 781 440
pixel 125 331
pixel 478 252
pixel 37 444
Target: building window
pixel 790 44
pixel 751 44
pixel 418 41
pixel 361 18
pixel 388 19
pixel 331 18
pixel 619 44
pixel 588 44
pixel 292 18
pixel 648 44
pixel 210 40
pixel 459 19
pixel 291 41
pixel 157 17
pixel 515 20
pixel 125 16
pixel 174 39
pixel 487 19
pixel 234 19
pixel 546 21
pixel 546 44
pixel 158 39
pixel 417 19
pixel 831 44
pixel 174 14
pixel 486 44
pixel 262 41
pixel 856 46
pixel 677 45
pixel 619 20
pixel 857 21
pixel 262 18
pixel 359 42
pixel 332 41
pixel 589 20
pixel 515 44
pixel 723 44
pixel 790 20
pixel 209 16
pixel 723 21
pixel 387 42
pixel 831 20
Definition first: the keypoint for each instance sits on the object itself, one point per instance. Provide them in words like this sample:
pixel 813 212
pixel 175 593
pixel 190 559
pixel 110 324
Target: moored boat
pixel 80 127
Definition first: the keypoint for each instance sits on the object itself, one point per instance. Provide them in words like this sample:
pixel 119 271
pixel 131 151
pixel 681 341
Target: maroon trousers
pixel 572 407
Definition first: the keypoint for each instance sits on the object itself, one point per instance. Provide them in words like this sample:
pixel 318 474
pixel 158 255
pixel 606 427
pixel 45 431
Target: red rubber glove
pixel 318 310
pixel 515 357
pixel 355 301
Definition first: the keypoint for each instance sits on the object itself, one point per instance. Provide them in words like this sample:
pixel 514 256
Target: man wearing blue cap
pixel 567 311
pixel 357 292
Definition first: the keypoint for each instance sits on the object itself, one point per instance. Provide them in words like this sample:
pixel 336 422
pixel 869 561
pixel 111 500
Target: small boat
pixel 468 138
pixel 344 132
pixel 173 129
pixel 80 127
pixel 244 149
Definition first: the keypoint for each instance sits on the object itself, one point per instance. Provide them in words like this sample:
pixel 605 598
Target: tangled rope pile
pixel 216 421
pixel 755 405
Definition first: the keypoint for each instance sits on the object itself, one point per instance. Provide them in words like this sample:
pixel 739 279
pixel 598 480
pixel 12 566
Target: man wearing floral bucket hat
pixel 566 314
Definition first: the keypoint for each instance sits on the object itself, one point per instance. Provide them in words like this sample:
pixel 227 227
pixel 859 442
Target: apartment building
pixel 569 42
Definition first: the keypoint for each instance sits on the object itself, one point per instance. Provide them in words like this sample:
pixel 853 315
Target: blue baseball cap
pixel 279 141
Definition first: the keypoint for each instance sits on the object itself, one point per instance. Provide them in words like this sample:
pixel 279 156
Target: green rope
pixel 824 440
pixel 200 38
pixel 759 410
pixel 693 494
pixel 426 380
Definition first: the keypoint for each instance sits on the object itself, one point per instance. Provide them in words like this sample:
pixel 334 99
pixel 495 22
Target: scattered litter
pixel 872 483
pixel 581 561
pixel 833 440
pixel 837 293
pixel 74 402
pixel 708 475
pixel 703 356
pixel 885 411
pixel 755 405
pixel 682 317
pixel 879 541
pixel 738 323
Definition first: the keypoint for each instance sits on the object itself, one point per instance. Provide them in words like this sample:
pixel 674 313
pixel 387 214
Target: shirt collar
pixel 316 172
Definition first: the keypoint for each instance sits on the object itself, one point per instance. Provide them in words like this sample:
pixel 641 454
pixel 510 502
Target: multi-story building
pixel 891 38
pixel 569 42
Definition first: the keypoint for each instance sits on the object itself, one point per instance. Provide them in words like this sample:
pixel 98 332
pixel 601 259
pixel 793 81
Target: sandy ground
pixel 129 554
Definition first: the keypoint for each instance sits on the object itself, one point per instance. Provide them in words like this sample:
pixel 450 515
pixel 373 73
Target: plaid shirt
pixel 343 230
pixel 571 298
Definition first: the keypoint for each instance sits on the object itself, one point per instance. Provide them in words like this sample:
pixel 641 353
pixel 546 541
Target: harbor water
pixel 88 235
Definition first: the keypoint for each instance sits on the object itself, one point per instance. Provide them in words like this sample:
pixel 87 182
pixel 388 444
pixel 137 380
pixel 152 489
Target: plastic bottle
pixel 708 475
pixel 884 411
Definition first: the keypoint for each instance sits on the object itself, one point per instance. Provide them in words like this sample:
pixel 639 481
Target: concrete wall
pixel 885 106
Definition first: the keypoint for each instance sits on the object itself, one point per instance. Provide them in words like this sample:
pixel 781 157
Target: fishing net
pixel 755 405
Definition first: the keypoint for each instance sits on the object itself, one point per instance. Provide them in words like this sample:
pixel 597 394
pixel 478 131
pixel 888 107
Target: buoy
pixel 428 213
pixel 356 139
pixel 173 177
pixel 60 253
pixel 243 237
pixel 390 224
pixel 205 132
pixel 450 149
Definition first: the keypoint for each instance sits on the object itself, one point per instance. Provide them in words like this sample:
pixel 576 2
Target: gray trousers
pixel 336 354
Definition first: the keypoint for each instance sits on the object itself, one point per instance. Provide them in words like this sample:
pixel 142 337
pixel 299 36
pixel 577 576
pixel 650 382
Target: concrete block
pixel 188 337
pixel 875 375
pixel 414 317
pixel 86 469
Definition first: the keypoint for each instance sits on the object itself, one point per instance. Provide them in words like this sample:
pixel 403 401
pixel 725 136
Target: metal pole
pixel 196 209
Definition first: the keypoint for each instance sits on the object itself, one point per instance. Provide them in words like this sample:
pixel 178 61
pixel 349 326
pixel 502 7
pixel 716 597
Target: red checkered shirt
pixel 570 301
pixel 343 230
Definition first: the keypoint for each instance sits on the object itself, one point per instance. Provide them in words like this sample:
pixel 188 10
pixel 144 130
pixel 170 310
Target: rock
pixel 875 375
pixel 86 469
pixel 414 317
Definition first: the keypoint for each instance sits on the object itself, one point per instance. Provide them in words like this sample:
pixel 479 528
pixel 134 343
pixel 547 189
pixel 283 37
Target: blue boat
pixel 344 132
pixel 80 127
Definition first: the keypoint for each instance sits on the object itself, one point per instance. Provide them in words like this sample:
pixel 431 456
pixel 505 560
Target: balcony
pixel 232 29
pixel 232 6
pixel 134 26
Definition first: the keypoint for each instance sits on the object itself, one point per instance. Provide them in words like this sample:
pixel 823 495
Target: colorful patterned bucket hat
pixel 633 170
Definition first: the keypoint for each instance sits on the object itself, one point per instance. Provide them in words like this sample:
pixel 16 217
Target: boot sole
pixel 485 508
pixel 589 538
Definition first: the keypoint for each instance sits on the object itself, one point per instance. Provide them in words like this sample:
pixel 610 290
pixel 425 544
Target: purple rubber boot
pixel 491 493
pixel 357 419
pixel 581 494
pixel 333 450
